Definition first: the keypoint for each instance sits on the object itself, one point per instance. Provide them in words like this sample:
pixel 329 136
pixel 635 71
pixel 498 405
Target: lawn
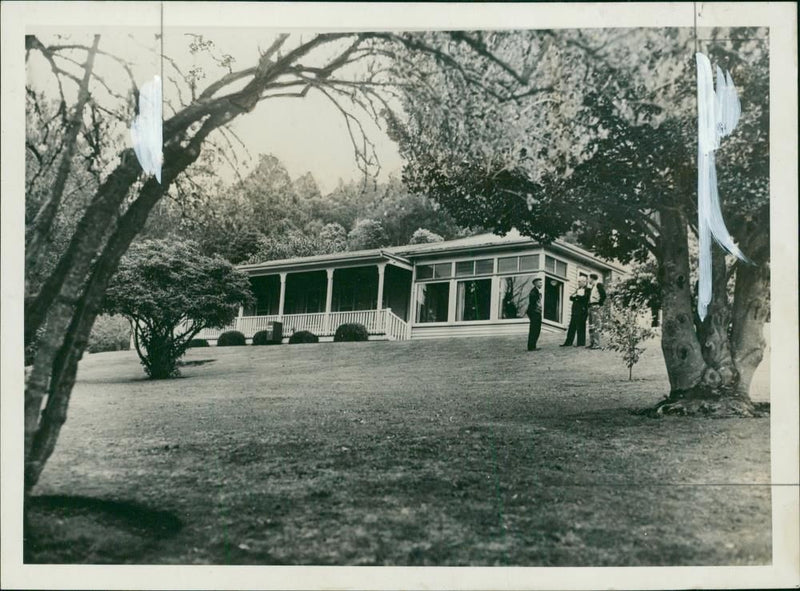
pixel 447 452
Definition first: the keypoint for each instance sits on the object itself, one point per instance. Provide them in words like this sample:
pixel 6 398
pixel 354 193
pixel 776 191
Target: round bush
pixel 198 343
pixel 232 338
pixel 262 338
pixel 109 333
pixel 303 336
pixel 350 332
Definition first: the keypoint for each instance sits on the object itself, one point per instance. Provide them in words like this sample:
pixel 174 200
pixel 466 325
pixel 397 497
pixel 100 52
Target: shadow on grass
pixel 194 362
pixel 78 529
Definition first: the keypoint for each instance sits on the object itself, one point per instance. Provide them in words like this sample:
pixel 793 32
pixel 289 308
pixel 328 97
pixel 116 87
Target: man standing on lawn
pixel 535 314
pixel 577 320
pixel 597 297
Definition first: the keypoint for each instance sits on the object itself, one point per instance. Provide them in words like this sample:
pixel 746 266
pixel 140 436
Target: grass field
pixel 446 452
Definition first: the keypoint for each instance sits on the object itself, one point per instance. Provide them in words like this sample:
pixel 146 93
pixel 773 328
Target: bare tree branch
pixel 43 221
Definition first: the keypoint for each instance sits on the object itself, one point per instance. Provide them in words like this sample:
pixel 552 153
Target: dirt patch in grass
pixel 448 452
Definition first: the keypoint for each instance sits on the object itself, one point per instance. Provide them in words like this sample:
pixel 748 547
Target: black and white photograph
pixel 353 286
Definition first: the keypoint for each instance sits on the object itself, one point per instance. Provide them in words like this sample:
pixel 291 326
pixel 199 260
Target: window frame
pixel 419 285
pixel 562 309
pixel 555 266
pixel 487 278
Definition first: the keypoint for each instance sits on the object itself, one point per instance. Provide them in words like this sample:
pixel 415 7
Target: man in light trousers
pixel 597 297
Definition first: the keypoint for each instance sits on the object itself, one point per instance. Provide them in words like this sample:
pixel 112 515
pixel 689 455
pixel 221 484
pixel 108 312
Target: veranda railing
pixel 377 322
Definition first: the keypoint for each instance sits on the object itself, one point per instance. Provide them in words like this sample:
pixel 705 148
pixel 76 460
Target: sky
pixel 306 134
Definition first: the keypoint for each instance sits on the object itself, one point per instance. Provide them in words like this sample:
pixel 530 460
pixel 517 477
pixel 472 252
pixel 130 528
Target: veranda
pixel 375 292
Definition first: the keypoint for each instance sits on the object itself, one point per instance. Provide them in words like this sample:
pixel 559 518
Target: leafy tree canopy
pixel 423 236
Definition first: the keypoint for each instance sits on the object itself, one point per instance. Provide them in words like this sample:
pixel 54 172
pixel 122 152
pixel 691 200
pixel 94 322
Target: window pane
pixel 484 267
pixel 464 268
pixel 514 293
pixel 507 264
pixel 553 295
pixel 549 264
pixel 424 272
pixel 529 263
pixel 561 268
pixel 432 301
pixel 442 270
pixel 474 299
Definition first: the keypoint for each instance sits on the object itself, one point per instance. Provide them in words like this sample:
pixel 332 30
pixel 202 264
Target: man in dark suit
pixel 577 321
pixel 597 297
pixel 535 314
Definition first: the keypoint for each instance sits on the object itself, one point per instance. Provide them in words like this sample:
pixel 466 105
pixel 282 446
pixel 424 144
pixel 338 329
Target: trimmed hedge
pixel 232 338
pixel 303 336
pixel 350 332
pixel 262 337
pixel 197 343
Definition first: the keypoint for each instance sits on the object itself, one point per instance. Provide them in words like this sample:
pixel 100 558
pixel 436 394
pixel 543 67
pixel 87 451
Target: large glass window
pixel 432 302
pixel 473 299
pixel 514 292
pixel 553 299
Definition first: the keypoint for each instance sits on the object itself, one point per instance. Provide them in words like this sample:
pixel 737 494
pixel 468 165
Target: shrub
pixel 197 343
pixel 627 328
pixel 231 338
pixel 110 333
pixel 170 292
pixel 263 337
pixel 350 332
pixel 303 336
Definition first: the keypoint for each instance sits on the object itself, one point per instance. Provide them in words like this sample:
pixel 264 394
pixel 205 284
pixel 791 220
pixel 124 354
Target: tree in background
pixel 605 147
pixel 170 292
pixel 423 236
pixel 401 212
pixel 367 234
pixel 333 237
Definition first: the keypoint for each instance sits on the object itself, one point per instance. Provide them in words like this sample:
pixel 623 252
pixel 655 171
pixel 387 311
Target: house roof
pixel 406 254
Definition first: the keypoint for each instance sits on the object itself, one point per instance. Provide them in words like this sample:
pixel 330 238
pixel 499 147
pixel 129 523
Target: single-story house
pixel 466 287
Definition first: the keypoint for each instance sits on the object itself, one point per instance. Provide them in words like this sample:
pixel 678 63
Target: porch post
pixel 282 297
pixel 381 273
pixel 328 300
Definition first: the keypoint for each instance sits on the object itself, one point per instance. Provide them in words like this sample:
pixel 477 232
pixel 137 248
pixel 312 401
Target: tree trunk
pixel 63 369
pixel 721 373
pixel 703 379
pixel 70 320
pixel 751 300
pixel 57 300
pixel 682 353
pixel 750 312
